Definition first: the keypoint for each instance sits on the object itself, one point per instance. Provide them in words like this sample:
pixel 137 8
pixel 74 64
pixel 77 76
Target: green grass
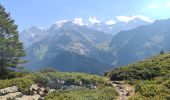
pixel 106 93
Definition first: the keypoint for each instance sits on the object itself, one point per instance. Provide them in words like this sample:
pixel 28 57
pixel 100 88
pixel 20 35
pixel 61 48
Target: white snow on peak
pixel 78 21
pixel 129 18
pixel 60 23
pixel 110 22
pixel 94 20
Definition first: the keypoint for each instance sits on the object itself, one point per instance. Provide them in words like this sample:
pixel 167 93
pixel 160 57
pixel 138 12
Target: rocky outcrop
pixel 56 84
pixel 60 84
pixel 12 93
pixel 38 91
pixel 8 90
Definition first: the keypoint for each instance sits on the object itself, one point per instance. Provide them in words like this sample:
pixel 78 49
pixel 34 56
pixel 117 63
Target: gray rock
pixel 80 83
pixel 70 87
pixel 11 96
pixel 91 86
pixel 55 84
pixel 34 87
pixel 8 90
pixel 62 82
pixel 52 90
pixel 29 97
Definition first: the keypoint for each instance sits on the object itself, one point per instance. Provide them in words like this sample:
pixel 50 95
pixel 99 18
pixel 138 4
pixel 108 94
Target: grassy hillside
pixel 80 86
pixel 150 78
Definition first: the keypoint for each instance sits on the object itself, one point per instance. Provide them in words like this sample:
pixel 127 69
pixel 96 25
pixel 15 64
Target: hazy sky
pixel 44 13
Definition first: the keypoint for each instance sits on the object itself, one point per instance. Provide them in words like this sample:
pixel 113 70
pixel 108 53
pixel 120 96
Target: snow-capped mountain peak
pixel 126 19
pixel 60 23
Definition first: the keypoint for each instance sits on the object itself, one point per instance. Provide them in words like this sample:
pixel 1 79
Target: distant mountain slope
pixel 144 41
pixel 151 77
pixel 71 48
pixel 32 35
pixel 68 61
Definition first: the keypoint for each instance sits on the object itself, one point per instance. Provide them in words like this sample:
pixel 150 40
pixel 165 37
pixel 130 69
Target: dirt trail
pixel 125 91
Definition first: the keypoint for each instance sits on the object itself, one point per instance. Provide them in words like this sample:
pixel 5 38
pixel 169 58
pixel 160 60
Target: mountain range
pixel 110 27
pixel 68 46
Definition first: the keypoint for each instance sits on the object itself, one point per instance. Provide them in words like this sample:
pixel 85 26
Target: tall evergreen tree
pixel 11 50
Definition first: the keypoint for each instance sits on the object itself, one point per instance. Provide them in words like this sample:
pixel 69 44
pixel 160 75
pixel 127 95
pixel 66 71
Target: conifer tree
pixel 11 50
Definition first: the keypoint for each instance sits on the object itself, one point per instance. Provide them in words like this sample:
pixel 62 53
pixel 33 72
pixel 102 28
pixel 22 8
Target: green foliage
pixel 157 89
pixel 103 92
pixel 11 49
pixel 144 70
pixel 22 83
pixel 44 76
pixel 167 84
pixel 69 77
pixel 47 70
pixel 150 78
pixel 136 72
pixel 106 93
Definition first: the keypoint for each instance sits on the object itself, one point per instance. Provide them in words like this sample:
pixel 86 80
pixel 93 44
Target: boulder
pixel 34 87
pixel 8 90
pixel 52 90
pixel 42 91
pixel 80 83
pixel 11 96
pixel 62 82
pixel 91 86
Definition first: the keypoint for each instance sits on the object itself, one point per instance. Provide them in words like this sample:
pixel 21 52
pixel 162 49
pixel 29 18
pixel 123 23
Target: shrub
pixel 167 84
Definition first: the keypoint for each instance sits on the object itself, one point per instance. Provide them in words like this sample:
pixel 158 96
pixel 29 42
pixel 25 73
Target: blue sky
pixel 44 13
